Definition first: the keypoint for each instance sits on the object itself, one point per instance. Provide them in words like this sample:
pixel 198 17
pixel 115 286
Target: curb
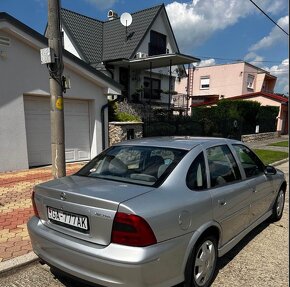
pixel 17 262
pixel 280 161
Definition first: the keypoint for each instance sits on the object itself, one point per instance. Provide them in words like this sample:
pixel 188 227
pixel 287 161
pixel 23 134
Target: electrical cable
pixel 269 17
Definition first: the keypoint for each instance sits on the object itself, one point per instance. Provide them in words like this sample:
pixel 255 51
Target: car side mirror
pixel 270 170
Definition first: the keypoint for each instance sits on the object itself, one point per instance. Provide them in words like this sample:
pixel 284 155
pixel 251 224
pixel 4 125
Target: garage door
pixel 77 132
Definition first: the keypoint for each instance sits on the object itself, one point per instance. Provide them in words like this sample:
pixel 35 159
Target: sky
pixel 216 31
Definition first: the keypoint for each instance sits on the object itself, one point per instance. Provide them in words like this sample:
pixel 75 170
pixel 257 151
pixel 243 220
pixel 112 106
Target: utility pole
pixel 56 89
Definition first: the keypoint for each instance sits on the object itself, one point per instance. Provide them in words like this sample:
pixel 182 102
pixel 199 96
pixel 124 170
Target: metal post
pixel 56 89
pixel 169 90
pixel 187 90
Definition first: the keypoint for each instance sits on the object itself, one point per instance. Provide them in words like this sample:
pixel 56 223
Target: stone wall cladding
pixel 259 137
pixel 118 131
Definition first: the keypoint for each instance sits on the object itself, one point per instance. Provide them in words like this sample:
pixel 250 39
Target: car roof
pixel 178 142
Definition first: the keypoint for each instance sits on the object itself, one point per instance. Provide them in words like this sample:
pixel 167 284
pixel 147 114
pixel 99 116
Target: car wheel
pixel 201 265
pixel 278 206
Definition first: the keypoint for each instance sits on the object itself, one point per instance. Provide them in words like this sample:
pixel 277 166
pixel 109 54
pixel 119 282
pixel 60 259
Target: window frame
pixel 255 158
pixel 250 82
pixel 157 44
pixel 156 92
pixel 234 167
pixel 204 86
pixel 205 181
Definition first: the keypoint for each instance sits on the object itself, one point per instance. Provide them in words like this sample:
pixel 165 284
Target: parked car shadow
pixel 70 281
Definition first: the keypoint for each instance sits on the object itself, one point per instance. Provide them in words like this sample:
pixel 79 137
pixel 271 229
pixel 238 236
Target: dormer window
pixel 157 45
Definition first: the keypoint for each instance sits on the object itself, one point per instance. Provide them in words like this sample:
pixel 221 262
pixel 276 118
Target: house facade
pixel 210 83
pixel 143 57
pixel 25 101
pixel 207 85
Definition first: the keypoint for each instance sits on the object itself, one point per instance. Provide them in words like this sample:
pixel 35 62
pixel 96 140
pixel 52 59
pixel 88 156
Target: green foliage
pixel 266 118
pixel 122 113
pixel 125 117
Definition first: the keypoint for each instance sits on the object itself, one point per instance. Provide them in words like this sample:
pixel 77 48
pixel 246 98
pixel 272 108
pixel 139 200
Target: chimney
pixel 112 15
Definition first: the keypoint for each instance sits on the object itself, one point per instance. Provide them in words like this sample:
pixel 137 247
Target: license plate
pixel 68 219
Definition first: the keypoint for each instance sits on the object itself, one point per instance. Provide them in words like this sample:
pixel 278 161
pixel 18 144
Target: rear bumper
pixel 113 265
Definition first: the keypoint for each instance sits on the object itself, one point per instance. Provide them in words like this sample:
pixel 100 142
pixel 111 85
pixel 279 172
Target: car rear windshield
pixel 134 164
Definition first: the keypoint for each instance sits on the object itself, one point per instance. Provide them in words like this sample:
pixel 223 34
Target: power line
pixel 269 17
pixel 237 60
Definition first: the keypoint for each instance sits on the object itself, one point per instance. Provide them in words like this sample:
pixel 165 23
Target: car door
pixel 230 196
pixel 259 184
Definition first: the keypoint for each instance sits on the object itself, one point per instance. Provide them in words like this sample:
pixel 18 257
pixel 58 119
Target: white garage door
pixel 77 132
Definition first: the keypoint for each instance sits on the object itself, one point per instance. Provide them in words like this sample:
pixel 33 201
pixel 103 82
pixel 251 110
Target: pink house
pixel 207 85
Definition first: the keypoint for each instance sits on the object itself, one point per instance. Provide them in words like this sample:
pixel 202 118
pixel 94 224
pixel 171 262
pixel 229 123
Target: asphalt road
pixel 259 260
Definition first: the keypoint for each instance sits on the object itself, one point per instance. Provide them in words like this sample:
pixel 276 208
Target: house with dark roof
pixel 25 101
pixel 143 57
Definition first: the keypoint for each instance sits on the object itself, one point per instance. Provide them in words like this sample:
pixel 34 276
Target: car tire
pixel 278 206
pixel 201 265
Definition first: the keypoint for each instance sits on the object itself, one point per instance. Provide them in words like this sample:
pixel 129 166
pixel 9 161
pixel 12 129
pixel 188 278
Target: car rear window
pixel 134 164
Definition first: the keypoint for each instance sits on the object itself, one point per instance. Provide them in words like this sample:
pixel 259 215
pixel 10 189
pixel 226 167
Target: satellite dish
pixel 126 19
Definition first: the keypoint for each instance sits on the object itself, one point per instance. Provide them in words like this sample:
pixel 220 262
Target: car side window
pixel 222 166
pixel 252 165
pixel 196 175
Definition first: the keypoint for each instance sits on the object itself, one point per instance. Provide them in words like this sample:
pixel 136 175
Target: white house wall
pixel 22 74
pixel 68 45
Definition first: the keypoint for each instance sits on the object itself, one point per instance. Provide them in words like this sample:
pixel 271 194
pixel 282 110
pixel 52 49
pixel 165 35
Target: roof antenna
pixel 126 20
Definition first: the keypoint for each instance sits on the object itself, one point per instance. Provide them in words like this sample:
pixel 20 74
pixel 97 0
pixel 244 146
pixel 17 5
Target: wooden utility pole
pixel 56 89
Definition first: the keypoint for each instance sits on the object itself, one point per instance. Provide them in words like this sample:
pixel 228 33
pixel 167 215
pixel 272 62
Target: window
pixel 252 165
pixel 204 83
pixel 156 84
pixel 222 166
pixel 133 164
pixel 157 45
pixel 250 82
pixel 196 176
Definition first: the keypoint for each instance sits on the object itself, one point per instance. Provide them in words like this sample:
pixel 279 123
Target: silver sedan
pixel 154 211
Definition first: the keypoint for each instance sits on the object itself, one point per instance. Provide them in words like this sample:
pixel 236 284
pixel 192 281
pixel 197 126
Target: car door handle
pixel 222 202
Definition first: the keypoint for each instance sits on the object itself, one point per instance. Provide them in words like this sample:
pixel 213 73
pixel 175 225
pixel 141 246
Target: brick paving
pixel 15 208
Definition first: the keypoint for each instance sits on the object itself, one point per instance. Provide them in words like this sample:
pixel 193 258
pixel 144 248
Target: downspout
pixel 105 106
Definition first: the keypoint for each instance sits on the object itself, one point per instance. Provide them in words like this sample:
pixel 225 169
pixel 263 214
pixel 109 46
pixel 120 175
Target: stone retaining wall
pixel 259 137
pixel 122 131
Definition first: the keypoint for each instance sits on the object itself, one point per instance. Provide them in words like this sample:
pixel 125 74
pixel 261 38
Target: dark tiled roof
pixel 115 45
pixel 87 34
pixel 99 41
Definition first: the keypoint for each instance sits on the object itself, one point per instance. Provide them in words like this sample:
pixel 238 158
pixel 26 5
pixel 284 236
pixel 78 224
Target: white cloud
pixel 253 58
pixel 193 23
pixel 203 63
pixel 102 4
pixel 275 37
pixel 281 71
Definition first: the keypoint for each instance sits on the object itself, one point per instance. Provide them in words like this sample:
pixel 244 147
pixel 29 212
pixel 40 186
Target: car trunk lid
pixel 83 207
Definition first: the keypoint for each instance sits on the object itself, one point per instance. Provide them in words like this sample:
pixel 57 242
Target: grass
pixel 270 156
pixel 281 144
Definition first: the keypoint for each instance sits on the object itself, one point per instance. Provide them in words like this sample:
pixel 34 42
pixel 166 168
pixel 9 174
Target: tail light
pixel 34 205
pixel 132 230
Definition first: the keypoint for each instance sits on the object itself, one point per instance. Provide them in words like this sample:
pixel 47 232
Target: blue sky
pixel 217 31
